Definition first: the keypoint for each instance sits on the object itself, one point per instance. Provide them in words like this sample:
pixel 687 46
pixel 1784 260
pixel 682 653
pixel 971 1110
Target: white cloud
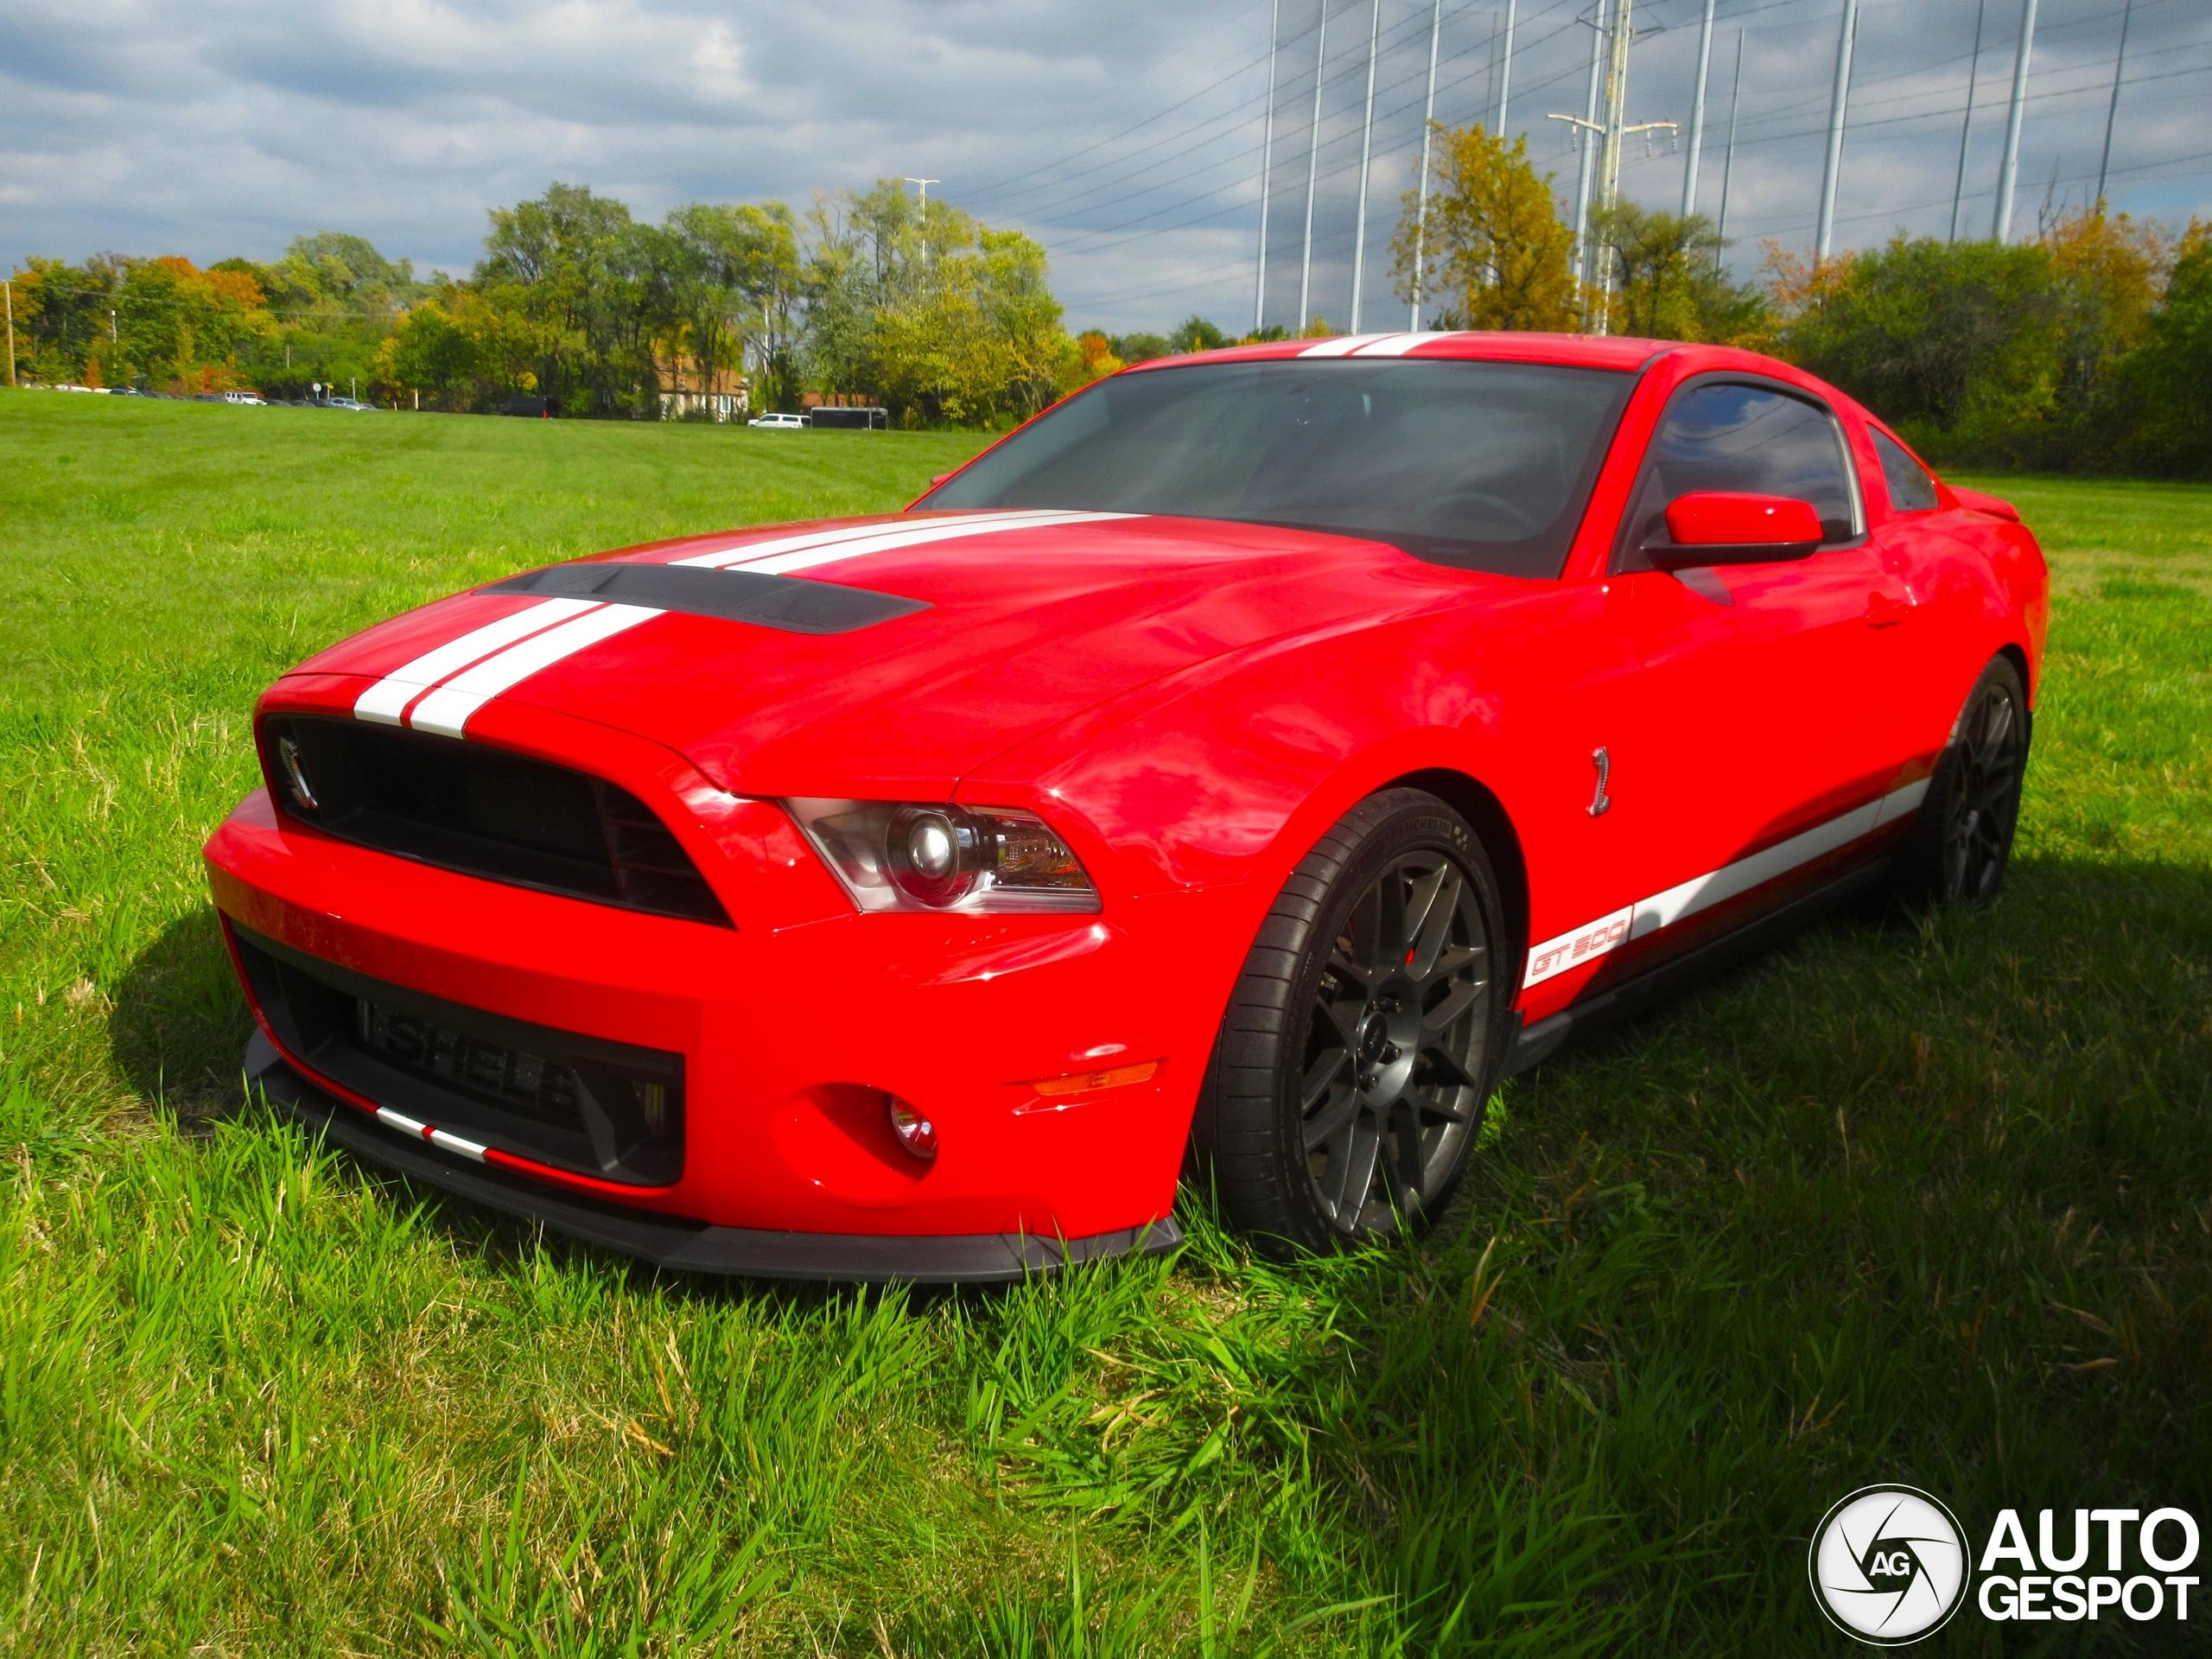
pixel 1126 136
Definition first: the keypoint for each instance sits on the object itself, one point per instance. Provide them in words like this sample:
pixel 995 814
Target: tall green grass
pixel 1923 1198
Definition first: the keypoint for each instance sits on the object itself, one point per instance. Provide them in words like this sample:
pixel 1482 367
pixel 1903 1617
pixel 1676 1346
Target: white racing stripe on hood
pixel 786 554
pixel 783 564
pixel 467 672
pixel 448 708
pixel 386 700
pixel 722 558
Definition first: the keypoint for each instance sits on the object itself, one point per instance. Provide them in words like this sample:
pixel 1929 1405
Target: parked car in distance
pixel 241 397
pixel 779 422
pixel 828 418
pixel 1244 767
pixel 347 403
pixel 526 406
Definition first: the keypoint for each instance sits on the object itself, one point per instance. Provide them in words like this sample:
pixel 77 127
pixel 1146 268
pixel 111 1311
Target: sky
pixel 1128 137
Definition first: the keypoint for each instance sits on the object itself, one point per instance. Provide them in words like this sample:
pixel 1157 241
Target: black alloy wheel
pixel 1363 1037
pixel 1957 851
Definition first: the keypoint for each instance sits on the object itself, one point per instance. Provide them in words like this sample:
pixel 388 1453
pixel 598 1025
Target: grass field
pixel 1927 1200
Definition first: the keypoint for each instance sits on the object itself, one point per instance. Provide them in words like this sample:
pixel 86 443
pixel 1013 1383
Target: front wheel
pixel 1364 1036
pixel 1956 853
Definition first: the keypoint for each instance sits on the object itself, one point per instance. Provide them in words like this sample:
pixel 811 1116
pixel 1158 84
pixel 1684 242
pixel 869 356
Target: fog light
pixel 915 1133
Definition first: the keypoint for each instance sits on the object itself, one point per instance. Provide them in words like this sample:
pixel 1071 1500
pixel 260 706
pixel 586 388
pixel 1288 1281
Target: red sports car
pixel 1242 767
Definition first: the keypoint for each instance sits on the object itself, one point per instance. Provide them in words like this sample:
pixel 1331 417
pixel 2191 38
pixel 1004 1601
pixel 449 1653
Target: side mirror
pixel 1724 527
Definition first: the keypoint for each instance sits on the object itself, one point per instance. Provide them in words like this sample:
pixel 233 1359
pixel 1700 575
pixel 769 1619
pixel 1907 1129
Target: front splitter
pixel 684 1245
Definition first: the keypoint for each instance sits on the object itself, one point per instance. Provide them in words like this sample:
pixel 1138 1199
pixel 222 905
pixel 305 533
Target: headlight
pixel 923 856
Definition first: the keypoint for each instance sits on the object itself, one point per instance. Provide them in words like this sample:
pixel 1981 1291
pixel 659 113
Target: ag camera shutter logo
pixel 1888 1565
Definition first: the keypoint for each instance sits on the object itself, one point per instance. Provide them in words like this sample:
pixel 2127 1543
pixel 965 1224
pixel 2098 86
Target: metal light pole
pixel 1728 165
pixel 1505 68
pixel 2002 229
pixel 8 289
pixel 1697 113
pixel 1837 100
pixel 1427 131
pixel 1588 131
pixel 925 186
pixel 1966 126
pixel 1312 175
pixel 1267 168
pixel 1366 151
pixel 2112 110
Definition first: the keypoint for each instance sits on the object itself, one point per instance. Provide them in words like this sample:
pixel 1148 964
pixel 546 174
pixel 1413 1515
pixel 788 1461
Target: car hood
pixel 1015 621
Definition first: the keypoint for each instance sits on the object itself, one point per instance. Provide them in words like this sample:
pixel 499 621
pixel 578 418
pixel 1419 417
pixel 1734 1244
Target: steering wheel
pixel 1517 518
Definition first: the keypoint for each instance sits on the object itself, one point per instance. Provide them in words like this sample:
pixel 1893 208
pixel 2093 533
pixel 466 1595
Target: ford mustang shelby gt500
pixel 1240 768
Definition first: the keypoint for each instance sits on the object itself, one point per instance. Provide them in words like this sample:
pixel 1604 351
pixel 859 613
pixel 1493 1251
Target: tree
pixel 2159 410
pixel 1195 333
pixel 1667 280
pixel 1490 252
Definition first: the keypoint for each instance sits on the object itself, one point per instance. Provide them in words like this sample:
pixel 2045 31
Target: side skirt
pixel 1534 1044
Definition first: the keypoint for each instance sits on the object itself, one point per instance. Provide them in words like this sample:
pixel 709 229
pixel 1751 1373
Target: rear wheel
pixel 1957 852
pixel 1363 1035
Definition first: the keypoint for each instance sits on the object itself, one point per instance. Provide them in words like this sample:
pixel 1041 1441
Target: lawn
pixel 1924 1200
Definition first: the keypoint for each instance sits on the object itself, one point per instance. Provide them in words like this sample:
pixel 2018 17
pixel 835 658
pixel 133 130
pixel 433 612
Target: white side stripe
pixel 384 700
pixel 448 708
pixel 1648 916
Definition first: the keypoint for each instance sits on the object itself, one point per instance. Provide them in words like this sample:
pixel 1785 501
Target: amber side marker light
pixel 1082 1082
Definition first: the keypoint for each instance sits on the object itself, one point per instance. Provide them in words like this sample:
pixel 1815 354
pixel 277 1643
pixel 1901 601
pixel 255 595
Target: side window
pixel 1911 488
pixel 1724 436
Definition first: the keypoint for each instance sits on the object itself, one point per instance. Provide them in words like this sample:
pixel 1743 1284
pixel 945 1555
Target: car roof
pixel 1585 351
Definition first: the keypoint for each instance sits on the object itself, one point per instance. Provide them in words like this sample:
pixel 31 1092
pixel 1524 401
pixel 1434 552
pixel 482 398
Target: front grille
pixel 483 811
pixel 611 1110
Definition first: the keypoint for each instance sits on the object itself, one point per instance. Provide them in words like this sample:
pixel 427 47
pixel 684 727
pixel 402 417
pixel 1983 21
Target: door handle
pixel 1885 612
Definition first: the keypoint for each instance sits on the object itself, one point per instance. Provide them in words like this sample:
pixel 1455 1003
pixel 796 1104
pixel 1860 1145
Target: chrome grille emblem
pixel 288 751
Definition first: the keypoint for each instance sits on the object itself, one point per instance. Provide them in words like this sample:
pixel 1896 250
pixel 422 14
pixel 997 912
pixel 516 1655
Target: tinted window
pixel 1484 465
pixel 1747 439
pixel 1911 488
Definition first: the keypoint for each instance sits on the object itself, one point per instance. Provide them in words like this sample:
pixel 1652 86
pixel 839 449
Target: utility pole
pixel 925 186
pixel 1728 166
pixel 1313 176
pixel 1837 100
pixel 1697 113
pixel 1267 168
pixel 2002 228
pixel 1965 127
pixel 2112 110
pixel 1585 134
pixel 1427 131
pixel 8 288
pixel 1366 150
pixel 1505 68
pixel 1616 133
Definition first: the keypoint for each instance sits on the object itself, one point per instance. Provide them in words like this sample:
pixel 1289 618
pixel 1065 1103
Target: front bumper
pixel 791 1026
pixel 682 1245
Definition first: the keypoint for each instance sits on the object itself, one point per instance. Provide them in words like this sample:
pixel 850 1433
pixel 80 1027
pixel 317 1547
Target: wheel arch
pixel 1493 826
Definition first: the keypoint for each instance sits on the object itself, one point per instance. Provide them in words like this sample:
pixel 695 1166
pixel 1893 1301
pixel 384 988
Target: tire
pixel 1957 849
pixel 1364 1036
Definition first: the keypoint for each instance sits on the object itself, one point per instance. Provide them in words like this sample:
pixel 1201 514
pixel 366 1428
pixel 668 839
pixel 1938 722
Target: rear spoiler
pixel 1976 501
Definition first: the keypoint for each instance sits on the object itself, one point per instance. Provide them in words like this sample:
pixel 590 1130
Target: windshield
pixel 1484 465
